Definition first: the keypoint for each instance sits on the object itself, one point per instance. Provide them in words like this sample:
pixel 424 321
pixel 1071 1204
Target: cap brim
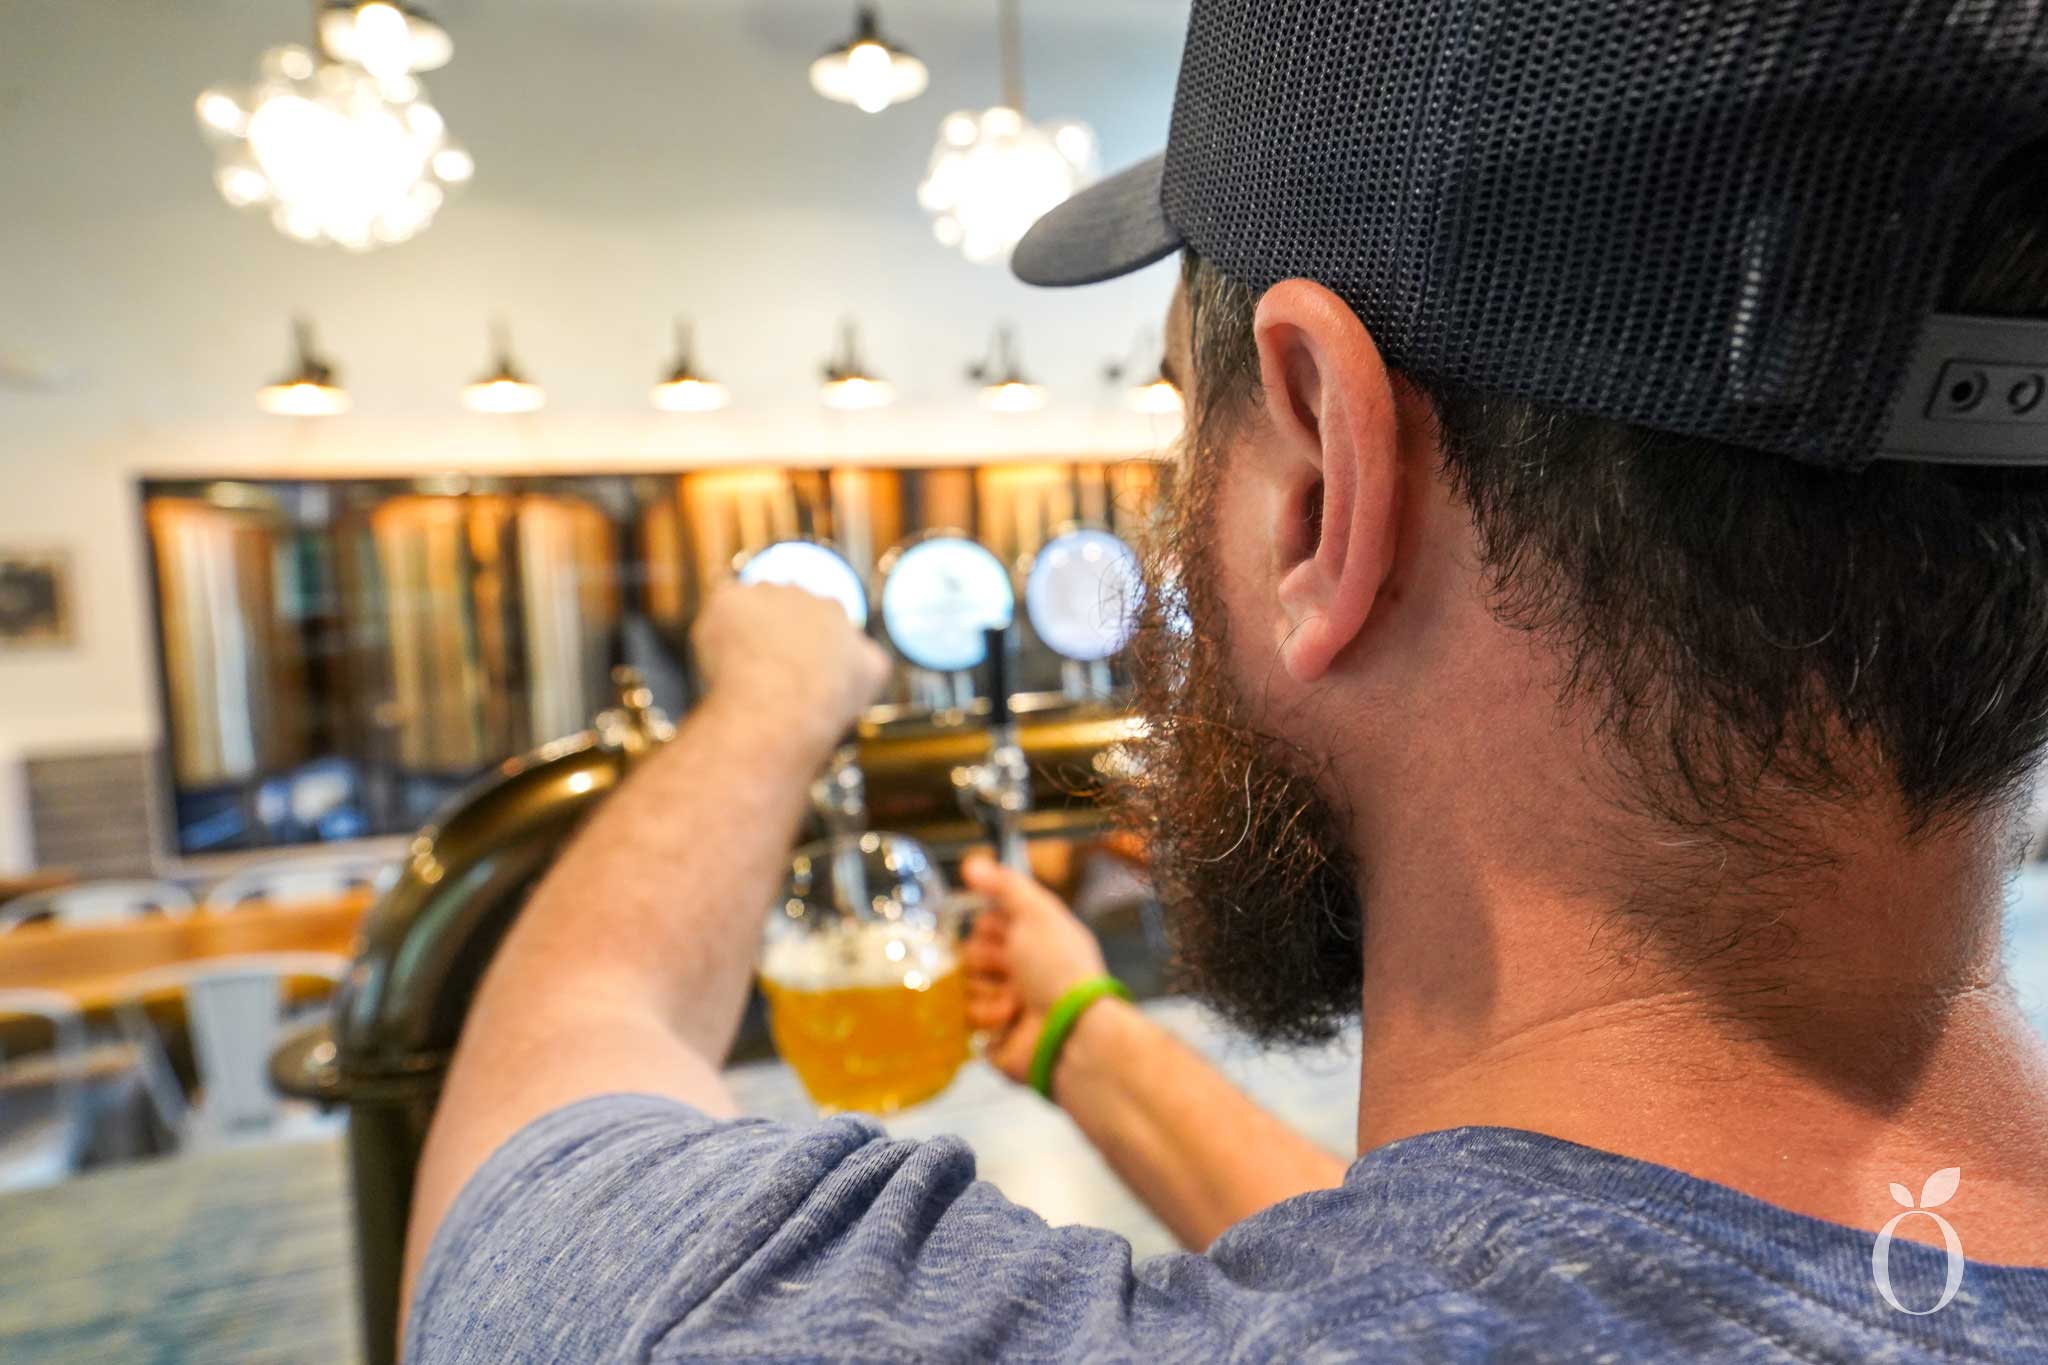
pixel 1111 228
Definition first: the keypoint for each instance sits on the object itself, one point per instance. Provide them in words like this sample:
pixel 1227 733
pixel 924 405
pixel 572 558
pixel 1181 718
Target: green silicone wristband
pixel 1059 1024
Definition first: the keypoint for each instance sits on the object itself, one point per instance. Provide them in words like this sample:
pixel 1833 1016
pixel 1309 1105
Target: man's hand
pixel 1026 951
pixel 1190 1144
pixel 786 653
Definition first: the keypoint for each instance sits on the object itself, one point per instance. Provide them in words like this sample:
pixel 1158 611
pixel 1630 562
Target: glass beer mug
pixel 861 967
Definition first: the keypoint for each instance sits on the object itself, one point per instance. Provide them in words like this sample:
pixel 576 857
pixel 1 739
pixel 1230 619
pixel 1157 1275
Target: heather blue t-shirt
pixel 633 1228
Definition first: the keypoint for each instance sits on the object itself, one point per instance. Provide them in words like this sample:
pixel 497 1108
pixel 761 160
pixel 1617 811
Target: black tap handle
pixel 997 641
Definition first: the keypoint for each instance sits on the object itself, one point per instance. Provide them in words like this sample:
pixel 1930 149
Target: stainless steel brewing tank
pixel 498 611
pixel 234 669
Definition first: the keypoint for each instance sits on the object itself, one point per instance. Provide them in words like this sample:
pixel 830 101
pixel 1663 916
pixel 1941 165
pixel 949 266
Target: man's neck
pixel 1808 1046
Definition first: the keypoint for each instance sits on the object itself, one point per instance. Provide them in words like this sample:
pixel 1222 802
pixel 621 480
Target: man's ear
pixel 1330 406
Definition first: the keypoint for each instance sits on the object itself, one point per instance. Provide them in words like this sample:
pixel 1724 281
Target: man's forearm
pixel 629 966
pixel 1199 1153
pixel 646 901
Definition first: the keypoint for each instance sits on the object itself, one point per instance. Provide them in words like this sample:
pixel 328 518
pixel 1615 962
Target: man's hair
pixel 1742 623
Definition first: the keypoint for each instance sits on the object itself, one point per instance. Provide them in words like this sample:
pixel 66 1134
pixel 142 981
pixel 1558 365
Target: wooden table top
pixel 28 883
pixel 93 964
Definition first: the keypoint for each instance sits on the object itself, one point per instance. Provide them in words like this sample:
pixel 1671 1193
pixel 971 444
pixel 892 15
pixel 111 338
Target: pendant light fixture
pixel 868 71
pixel 1148 391
pixel 503 389
pixel 684 390
pixel 1004 388
pixel 1159 398
pixel 344 149
pixel 390 41
pixel 995 173
pixel 310 389
pixel 848 385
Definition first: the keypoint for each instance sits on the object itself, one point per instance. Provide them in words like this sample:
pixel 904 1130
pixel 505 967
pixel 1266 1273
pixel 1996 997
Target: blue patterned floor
pixel 233 1256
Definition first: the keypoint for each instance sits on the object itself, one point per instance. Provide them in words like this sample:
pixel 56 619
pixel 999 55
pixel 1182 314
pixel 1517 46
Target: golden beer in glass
pixel 861 968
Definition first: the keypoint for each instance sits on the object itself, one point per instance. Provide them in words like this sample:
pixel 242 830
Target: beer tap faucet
pixel 997 791
pixel 841 800
pixel 840 795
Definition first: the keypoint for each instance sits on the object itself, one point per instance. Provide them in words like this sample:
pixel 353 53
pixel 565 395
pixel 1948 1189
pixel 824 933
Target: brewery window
pixel 338 657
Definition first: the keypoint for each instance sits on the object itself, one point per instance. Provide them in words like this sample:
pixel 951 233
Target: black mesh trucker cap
pixel 1723 218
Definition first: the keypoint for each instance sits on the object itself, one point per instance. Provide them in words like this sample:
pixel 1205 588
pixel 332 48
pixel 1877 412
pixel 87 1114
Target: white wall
pixel 636 158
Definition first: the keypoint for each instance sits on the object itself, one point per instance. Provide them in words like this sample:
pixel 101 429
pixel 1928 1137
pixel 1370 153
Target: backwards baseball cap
pixel 1729 220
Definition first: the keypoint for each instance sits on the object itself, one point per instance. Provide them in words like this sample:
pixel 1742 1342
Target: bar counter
pixel 245 1255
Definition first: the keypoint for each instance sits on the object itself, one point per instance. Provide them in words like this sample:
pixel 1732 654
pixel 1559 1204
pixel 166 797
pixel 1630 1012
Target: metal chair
pixel 298 883
pixel 92 903
pixel 44 1122
pixel 234 1012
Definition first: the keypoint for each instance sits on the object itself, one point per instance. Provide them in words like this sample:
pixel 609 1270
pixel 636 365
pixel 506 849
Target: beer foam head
pixel 858 956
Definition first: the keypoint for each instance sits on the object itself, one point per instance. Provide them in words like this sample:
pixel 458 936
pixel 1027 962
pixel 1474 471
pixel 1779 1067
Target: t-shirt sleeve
pixel 630 1227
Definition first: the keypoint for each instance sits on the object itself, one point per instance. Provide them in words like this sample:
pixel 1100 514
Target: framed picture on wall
pixel 35 599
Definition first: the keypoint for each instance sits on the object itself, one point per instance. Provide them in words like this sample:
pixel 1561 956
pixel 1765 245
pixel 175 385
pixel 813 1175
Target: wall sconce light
pixel 310 389
pixel 848 385
pixel 1149 391
pixel 1003 385
pixel 503 389
pixel 684 390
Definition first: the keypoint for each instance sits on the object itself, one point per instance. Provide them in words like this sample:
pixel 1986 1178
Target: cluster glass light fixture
pixel 503 388
pixel 684 390
pixel 339 151
pixel 310 389
pixel 995 173
pixel 868 71
pixel 1004 388
pixel 849 387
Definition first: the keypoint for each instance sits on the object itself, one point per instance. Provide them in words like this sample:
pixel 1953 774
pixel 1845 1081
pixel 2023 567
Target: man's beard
pixel 1248 855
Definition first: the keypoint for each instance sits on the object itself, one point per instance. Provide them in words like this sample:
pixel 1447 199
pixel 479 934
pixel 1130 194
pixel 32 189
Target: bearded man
pixel 1601 641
